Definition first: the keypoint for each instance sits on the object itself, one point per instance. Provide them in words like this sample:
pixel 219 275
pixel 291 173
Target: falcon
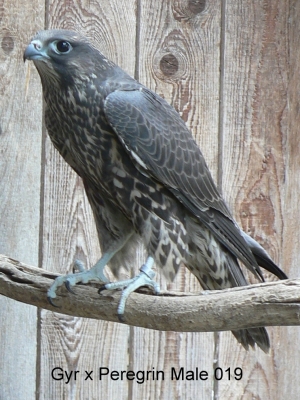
pixel 144 175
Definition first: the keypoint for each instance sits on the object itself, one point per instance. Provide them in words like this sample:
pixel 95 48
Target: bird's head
pixel 64 57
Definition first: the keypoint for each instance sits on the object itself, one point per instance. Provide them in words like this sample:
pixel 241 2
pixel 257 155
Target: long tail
pixel 216 268
pixel 250 336
pixel 258 335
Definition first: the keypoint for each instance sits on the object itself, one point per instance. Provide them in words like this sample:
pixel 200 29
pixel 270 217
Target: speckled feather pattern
pixel 144 175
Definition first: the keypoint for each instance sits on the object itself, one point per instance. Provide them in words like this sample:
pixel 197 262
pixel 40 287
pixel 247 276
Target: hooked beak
pixel 34 51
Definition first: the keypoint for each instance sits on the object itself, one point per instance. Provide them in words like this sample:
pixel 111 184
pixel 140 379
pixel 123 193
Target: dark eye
pixel 62 46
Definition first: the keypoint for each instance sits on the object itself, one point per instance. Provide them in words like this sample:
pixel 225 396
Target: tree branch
pixel 275 303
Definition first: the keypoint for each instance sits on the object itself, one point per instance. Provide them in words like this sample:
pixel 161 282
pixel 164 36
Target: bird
pixel 144 175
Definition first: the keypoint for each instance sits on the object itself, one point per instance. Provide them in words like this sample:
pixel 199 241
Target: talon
pixel 83 276
pixel 121 318
pixel 69 288
pixel 100 290
pixel 144 278
pixel 50 300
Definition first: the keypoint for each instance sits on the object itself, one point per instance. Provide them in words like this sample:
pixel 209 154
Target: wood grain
pixel 20 143
pixel 255 98
pixel 288 355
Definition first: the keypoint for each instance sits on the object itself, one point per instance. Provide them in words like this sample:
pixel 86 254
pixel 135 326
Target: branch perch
pixel 266 304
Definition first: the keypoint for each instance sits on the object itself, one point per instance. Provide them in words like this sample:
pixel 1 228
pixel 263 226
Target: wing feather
pixel 151 129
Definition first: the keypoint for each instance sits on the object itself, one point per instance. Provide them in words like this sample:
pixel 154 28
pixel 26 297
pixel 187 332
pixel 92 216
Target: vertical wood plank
pixel 179 52
pixel 20 152
pixel 288 352
pixel 69 231
pixel 256 114
pixel 179 59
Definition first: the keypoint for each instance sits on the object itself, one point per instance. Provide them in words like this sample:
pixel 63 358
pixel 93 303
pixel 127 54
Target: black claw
pixel 68 286
pixel 121 318
pixel 100 290
pixel 50 300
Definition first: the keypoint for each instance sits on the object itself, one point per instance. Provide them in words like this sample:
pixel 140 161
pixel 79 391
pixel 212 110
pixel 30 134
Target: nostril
pixel 37 45
pixel 33 51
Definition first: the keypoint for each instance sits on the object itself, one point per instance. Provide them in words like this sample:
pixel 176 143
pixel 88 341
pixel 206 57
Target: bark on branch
pixel 275 303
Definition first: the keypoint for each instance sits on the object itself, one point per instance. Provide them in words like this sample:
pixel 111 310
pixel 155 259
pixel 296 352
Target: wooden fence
pixel 231 68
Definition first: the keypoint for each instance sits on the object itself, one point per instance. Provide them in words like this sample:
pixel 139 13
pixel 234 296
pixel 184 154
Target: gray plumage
pixel 143 173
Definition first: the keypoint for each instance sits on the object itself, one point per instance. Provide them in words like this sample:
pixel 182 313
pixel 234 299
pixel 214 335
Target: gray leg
pixel 144 278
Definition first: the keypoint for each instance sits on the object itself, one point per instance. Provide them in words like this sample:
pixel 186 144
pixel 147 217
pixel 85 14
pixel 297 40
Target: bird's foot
pixel 84 276
pixel 144 278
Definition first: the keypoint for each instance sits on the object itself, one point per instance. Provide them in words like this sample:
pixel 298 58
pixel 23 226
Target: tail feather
pixel 262 257
pixel 248 337
pixel 216 268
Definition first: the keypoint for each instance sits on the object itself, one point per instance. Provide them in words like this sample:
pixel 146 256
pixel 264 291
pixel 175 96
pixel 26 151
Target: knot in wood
pixel 7 44
pixel 196 6
pixel 185 11
pixel 169 64
pixel 172 60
